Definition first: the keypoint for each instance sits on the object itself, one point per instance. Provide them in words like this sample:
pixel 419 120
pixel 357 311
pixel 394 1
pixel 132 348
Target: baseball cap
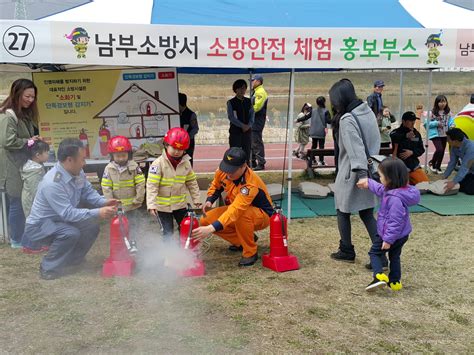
pixel 233 159
pixel 409 116
pixel 378 83
pixel 258 77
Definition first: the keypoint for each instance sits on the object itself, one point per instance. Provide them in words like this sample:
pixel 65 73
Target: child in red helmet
pixel 124 180
pixel 170 179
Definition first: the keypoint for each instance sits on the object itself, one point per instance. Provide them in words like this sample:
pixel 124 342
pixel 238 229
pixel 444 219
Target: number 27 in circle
pixel 18 41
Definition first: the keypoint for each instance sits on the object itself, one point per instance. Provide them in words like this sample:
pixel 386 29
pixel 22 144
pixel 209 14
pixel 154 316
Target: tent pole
pixel 401 97
pixel 290 144
pixel 250 95
pixel 428 117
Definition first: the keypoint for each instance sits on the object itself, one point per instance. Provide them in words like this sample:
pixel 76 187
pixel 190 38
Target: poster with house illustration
pixel 138 114
pixel 141 104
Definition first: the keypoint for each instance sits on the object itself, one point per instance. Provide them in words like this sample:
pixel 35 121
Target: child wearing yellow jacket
pixel 170 178
pixel 124 180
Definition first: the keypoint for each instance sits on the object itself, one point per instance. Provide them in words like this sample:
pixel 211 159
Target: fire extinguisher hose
pixel 188 239
pixel 126 239
pixel 205 242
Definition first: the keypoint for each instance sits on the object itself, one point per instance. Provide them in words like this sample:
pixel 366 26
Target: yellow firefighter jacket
pixel 167 187
pixel 127 185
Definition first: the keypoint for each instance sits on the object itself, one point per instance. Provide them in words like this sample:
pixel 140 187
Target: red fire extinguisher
pixel 85 141
pixel 137 132
pixel 187 225
pixel 279 259
pixel 122 248
pixel 104 137
pixel 278 234
pixel 148 109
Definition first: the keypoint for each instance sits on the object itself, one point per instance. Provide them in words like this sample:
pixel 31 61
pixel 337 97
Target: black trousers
pixel 440 146
pixel 467 184
pixel 314 145
pixel 258 149
pixel 190 150
pixel 345 231
pixel 242 140
pixel 167 223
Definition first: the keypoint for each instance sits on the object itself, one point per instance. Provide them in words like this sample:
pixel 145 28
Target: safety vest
pixel 128 186
pixel 167 187
pixel 260 101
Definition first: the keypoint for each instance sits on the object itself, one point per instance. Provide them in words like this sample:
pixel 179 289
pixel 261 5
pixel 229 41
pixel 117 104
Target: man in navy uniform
pixel 66 211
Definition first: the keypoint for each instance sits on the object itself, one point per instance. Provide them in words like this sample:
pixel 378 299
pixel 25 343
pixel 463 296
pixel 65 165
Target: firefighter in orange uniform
pixel 249 210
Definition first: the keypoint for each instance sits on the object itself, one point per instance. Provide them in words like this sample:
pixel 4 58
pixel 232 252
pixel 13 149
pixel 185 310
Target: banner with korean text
pixel 234 47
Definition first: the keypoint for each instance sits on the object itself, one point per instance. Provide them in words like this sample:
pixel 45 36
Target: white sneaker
pixel 439 171
pixel 433 170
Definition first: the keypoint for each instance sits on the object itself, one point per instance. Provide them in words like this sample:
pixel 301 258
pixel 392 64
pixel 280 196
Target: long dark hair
pixel 343 99
pixel 435 109
pixel 321 101
pixel 395 172
pixel 13 101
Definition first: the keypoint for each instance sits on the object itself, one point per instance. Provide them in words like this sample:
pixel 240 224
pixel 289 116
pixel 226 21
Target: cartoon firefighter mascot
pixel 432 43
pixel 79 38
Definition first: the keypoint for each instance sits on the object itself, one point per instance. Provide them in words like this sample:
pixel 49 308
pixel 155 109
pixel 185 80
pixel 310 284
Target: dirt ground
pixel 322 307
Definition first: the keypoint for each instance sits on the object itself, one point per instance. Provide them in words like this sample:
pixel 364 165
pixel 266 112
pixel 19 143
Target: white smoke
pixel 165 257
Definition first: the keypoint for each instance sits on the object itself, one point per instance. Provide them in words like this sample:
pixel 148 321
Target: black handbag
pixel 373 161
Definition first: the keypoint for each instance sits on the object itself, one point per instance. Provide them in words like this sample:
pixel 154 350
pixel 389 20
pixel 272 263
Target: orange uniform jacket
pixel 243 193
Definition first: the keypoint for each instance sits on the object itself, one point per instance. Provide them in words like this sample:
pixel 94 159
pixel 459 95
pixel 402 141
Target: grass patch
pixel 459 318
pixel 318 309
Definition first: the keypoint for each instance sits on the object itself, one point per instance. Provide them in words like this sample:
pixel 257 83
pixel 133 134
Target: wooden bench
pixel 311 155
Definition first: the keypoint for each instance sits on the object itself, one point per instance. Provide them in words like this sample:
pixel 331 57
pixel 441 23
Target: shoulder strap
pixel 361 134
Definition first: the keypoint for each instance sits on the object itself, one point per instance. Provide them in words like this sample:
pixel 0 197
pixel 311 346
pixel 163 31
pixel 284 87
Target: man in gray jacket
pixel 65 213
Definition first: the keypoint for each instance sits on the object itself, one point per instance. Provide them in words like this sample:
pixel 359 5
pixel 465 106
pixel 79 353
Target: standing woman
pixel 320 118
pixel 18 119
pixel 438 126
pixel 352 164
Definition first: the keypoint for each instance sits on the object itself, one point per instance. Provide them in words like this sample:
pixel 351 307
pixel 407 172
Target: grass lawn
pixel 320 308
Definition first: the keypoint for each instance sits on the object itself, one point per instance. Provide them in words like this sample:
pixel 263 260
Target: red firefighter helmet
pixel 178 138
pixel 119 144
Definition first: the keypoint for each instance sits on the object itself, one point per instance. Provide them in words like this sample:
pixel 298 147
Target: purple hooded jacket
pixel 393 221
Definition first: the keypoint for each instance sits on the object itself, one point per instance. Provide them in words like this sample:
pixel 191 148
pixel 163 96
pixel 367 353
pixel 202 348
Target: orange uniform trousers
pixel 417 176
pixel 240 232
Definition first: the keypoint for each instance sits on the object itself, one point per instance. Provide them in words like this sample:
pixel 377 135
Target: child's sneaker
pixel 396 286
pixel 380 281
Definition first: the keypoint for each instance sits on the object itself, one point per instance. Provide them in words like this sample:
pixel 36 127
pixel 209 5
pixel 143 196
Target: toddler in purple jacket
pixel 393 221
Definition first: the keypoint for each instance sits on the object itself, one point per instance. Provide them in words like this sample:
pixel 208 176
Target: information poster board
pixel 94 106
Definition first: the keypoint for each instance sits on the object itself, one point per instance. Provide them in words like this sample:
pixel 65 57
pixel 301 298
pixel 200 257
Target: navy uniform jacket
pixel 59 195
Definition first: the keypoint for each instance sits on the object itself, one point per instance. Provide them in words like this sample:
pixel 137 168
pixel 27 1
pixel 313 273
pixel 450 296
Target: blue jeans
pixel 376 255
pixel 16 218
